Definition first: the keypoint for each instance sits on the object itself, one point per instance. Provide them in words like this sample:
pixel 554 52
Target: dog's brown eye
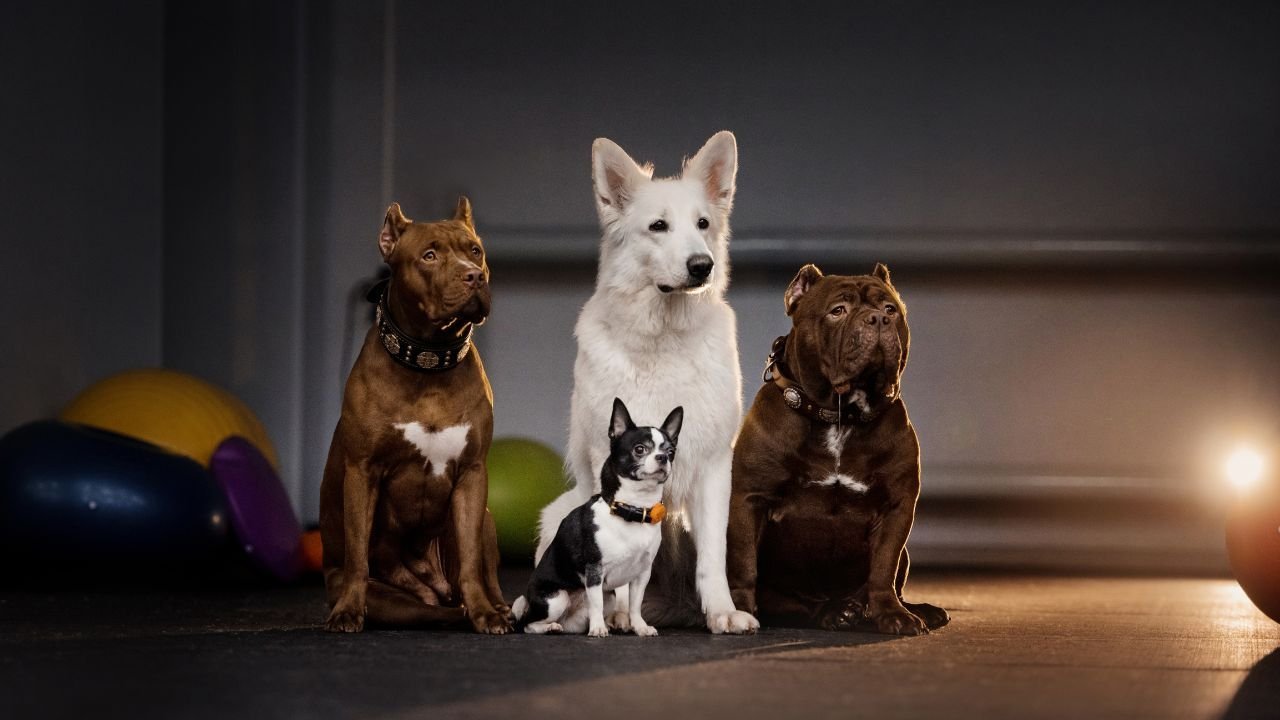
pixel 476 251
pixel 703 223
pixel 429 255
pixel 639 450
pixel 837 311
pixel 890 309
pixel 658 226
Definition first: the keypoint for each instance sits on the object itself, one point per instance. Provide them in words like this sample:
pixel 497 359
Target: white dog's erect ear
pixel 392 226
pixel 463 212
pixel 716 166
pixel 800 284
pixel 620 421
pixel 614 174
pixel 882 272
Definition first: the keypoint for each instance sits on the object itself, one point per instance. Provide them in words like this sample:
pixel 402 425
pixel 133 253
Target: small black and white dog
pixel 610 540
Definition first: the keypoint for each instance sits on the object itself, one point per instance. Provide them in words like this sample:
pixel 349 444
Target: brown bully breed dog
pixel 826 470
pixel 402 505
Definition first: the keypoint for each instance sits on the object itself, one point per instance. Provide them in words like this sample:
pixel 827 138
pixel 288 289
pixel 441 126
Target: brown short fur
pixel 403 547
pixel 808 554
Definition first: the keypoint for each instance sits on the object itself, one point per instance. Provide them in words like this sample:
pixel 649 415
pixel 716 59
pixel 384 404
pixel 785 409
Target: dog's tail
pixel 519 609
pixel 551 515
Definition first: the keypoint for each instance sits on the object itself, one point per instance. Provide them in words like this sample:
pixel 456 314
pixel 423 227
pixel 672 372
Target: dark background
pixel 1078 201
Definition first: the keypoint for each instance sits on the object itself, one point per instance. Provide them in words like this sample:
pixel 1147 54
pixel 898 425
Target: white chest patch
pixel 626 548
pixel 436 448
pixel 845 481
pixel 835 445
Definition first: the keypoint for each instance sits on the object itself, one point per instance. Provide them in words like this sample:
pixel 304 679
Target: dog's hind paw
pixel 849 615
pixel 736 622
pixel 491 623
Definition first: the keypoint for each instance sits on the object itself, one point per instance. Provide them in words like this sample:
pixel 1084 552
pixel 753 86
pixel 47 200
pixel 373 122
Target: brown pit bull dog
pixel 402 504
pixel 826 470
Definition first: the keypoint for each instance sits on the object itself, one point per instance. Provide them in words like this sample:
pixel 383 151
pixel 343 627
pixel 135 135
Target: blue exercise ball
pixel 79 498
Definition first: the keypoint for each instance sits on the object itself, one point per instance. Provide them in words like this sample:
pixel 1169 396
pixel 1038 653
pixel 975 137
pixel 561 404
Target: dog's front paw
pixel 344 620
pixel 598 631
pixel 899 621
pixel 619 620
pixel 933 616
pixel 491 623
pixel 736 622
pixel 644 629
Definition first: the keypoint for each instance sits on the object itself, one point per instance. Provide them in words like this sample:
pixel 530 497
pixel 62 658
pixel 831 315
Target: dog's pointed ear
pixel 716 167
pixel 392 226
pixel 882 272
pixel 671 426
pixel 800 284
pixel 463 213
pixel 615 176
pixel 620 422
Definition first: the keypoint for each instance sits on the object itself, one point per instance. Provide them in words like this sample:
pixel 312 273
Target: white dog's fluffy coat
pixel 655 336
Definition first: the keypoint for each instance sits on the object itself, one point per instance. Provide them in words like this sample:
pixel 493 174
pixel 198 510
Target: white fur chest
pixel 437 449
pixel 695 366
pixel 627 548
pixel 835 440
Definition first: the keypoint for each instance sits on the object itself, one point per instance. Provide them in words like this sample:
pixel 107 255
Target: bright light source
pixel 1244 467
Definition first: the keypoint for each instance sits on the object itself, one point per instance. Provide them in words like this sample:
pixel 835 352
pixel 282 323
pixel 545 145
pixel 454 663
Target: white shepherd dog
pixel 658 333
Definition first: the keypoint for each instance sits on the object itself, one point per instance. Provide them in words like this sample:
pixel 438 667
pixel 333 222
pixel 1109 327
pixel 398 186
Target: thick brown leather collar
pixel 794 397
pixel 410 352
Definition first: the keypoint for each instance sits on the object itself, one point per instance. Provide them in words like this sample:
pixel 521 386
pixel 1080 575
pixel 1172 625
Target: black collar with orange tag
pixel 632 513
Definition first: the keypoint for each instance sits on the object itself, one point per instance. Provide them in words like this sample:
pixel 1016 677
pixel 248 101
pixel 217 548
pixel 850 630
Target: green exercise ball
pixel 524 475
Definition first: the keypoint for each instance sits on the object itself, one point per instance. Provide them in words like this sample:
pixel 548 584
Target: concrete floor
pixel 1018 647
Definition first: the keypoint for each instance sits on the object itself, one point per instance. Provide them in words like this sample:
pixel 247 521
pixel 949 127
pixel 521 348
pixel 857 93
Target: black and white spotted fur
pixel 595 550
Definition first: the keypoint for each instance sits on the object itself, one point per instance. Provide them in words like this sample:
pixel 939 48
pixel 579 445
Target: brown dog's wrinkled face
pixel 856 327
pixel 438 269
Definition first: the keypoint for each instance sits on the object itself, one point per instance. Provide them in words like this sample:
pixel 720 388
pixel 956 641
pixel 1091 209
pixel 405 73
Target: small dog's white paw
pixel 645 630
pixel 733 623
pixel 619 620
pixel 598 631
pixel 554 628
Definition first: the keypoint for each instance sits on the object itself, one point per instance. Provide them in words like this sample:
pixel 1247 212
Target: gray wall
pixel 1077 201
pixel 80 209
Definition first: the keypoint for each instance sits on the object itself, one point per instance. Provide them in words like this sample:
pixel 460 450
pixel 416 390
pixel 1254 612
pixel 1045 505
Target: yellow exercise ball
pixel 176 411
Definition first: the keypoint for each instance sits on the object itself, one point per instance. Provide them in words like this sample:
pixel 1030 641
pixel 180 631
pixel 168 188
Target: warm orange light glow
pixel 1244 467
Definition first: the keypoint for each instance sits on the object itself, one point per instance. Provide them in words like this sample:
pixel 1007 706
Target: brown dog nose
pixel 473 278
pixel 878 317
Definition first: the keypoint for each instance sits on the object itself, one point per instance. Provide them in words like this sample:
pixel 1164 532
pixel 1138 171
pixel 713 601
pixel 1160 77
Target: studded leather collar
pixel 411 352
pixel 794 397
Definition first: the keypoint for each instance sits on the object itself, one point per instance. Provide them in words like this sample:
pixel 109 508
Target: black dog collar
pixel 408 351
pixel 631 513
pixel 794 397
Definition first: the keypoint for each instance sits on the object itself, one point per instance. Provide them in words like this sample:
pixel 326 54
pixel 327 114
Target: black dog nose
pixel 700 267
pixel 662 459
